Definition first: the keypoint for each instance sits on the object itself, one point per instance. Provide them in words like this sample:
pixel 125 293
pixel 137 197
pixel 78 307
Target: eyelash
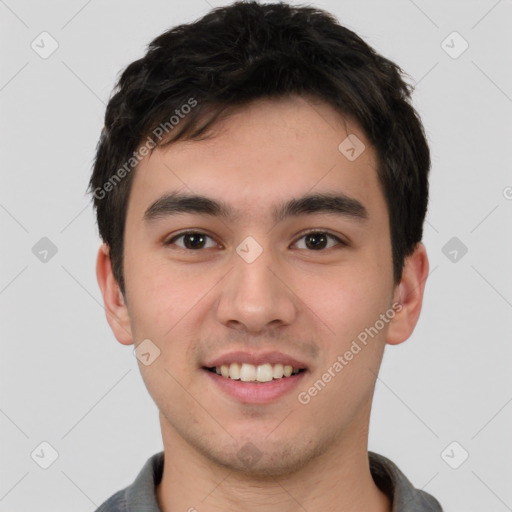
pixel 180 235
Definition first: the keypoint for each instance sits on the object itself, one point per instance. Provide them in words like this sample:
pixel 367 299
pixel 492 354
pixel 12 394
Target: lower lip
pixel 256 393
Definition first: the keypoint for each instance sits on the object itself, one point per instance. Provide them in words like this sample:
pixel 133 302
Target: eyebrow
pixel 332 203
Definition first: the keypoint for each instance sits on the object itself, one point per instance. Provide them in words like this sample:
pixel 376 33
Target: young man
pixel 261 185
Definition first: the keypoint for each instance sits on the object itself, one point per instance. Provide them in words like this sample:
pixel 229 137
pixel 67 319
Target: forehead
pixel 269 151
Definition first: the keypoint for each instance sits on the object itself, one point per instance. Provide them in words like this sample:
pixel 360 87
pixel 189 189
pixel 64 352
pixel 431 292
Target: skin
pixel 311 303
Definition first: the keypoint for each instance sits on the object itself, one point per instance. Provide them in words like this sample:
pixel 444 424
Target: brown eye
pixel 192 240
pixel 317 240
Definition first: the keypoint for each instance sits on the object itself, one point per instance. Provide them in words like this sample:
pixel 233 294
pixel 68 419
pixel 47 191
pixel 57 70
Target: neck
pixel 337 480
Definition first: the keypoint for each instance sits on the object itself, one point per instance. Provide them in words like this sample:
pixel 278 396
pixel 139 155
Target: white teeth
pixel 234 371
pixel 278 371
pixel 247 372
pixel 251 373
pixel 264 373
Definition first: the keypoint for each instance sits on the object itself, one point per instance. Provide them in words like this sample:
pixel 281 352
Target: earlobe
pixel 115 307
pixel 409 294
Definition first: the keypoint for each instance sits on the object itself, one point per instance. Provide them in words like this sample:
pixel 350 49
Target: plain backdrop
pixel 442 396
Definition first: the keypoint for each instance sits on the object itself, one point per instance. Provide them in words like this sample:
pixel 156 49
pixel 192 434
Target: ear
pixel 115 307
pixel 409 293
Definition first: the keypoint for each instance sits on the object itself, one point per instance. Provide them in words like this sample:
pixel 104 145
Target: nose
pixel 257 295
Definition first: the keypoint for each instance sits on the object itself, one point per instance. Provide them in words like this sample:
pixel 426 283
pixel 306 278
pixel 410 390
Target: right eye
pixel 193 240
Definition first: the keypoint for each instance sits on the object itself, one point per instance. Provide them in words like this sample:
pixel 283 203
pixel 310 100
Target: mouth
pixel 261 374
pixel 248 384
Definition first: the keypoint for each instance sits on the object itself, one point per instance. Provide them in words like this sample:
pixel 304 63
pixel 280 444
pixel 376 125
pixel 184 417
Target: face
pixel 255 283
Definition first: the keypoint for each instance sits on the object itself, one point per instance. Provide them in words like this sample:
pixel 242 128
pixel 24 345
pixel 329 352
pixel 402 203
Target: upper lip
pixel 256 359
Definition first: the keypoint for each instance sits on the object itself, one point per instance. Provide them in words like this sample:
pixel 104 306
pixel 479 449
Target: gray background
pixel 65 379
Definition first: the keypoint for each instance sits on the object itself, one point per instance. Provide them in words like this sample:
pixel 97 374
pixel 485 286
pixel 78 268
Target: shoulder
pixel 405 497
pixel 116 503
pixel 140 494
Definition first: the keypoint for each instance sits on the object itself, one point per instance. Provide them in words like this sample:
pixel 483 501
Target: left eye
pixel 319 237
pixel 194 240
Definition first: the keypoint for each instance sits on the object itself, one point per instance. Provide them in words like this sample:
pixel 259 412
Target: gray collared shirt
pixel 140 496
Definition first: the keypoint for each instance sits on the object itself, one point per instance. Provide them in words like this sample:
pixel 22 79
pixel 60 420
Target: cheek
pixel 155 295
pixel 349 305
pixel 348 302
pixel 164 298
pixel 161 310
